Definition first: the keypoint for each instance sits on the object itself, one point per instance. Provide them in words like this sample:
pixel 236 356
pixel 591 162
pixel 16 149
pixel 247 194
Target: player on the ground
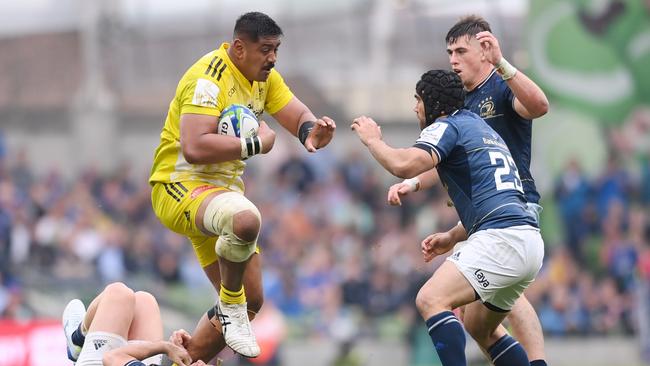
pixel 508 101
pixel 197 189
pixel 121 327
pixel 504 251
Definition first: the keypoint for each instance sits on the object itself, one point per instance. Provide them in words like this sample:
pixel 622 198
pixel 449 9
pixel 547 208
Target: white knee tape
pixel 218 219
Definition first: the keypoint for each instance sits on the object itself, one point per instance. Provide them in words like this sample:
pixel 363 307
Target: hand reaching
pixel 396 191
pixel 321 134
pixel 490 46
pixel 436 244
pixel 177 354
pixel 366 128
pixel 180 337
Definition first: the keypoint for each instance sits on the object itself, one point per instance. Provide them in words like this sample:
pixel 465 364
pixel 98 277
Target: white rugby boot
pixel 73 315
pixel 237 330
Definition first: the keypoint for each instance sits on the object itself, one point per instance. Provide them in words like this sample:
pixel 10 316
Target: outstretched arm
pixel 313 132
pixel 530 101
pixel 403 163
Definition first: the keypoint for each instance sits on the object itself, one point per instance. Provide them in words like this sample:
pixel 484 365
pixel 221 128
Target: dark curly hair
pixel 469 25
pixel 442 92
pixel 256 25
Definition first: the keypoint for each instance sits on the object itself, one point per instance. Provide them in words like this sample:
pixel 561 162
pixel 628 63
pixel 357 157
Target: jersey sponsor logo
pixel 486 108
pixel 494 141
pixel 433 133
pixel 482 280
pixel 205 93
pixel 200 189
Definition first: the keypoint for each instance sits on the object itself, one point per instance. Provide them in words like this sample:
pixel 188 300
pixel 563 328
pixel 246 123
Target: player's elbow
pixel 401 172
pixel 541 107
pixel 191 154
pixel 412 163
pixel 405 170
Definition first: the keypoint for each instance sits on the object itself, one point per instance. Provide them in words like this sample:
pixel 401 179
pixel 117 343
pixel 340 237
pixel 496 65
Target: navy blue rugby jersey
pixel 492 100
pixel 478 171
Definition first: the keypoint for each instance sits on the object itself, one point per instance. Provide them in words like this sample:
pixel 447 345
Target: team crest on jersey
pixel 486 108
pixel 205 93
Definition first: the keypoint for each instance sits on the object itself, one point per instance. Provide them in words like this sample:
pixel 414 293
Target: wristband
pixel 506 70
pixel 414 184
pixel 250 146
pixel 304 130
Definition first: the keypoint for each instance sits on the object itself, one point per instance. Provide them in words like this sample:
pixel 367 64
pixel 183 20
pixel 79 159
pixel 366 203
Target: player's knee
pixel 246 225
pixel 143 298
pixel 422 302
pixel 237 222
pixel 120 292
pixel 427 302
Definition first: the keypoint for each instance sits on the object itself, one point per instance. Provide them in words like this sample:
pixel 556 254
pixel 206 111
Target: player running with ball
pixel 197 190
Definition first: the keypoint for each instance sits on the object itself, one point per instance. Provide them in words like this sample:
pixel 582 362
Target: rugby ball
pixel 239 121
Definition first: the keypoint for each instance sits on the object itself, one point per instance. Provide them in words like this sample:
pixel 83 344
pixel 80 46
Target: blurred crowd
pixel 334 253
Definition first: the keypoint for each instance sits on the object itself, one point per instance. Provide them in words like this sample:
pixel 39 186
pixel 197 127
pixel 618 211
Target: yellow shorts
pixel 176 205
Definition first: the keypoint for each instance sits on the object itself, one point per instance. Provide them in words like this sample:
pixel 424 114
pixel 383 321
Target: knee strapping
pixel 218 219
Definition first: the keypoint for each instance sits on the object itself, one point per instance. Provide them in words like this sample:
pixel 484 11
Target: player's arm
pixel 314 133
pixel 421 182
pixel 530 101
pixel 141 350
pixel 403 163
pixel 201 145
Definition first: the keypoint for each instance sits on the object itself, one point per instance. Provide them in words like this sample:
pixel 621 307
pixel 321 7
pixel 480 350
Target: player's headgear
pixel 256 25
pixel 470 25
pixel 442 92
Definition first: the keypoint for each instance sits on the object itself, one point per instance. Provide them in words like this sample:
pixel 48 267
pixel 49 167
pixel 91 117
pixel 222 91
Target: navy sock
pixel 508 352
pixel 538 363
pixel 77 337
pixel 448 337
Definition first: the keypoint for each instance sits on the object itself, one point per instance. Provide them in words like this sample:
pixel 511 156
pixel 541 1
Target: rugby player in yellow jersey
pixel 197 188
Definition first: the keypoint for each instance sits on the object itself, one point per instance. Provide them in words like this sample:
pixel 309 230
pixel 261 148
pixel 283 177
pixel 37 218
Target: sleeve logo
pixel 205 93
pixel 433 133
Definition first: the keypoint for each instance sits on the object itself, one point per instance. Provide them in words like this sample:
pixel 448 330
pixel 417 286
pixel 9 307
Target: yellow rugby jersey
pixel 209 86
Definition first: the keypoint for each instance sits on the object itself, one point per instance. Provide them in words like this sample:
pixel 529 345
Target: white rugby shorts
pixel 500 263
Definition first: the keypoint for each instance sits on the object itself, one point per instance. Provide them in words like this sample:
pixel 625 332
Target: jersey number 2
pixel 503 171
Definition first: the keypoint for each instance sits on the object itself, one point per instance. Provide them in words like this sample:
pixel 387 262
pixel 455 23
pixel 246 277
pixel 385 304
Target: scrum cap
pixel 442 92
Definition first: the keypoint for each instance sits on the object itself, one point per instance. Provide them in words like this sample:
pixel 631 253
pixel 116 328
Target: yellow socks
pixel 232 297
